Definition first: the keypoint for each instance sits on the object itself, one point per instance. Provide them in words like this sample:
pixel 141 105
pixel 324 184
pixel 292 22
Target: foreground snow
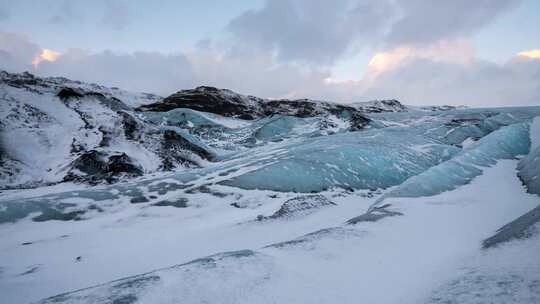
pixel 408 259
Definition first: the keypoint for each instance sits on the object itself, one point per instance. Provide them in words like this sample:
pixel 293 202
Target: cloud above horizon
pixel 287 49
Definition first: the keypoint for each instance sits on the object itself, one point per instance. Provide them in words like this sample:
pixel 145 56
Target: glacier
pixel 370 160
pixel 208 195
pixel 529 171
pixel 291 154
pixel 505 143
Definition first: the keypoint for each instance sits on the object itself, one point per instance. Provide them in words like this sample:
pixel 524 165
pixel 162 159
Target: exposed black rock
pixel 230 104
pixel 130 125
pixel 176 150
pixel 209 99
pixel 121 163
pixel 374 215
pixel 313 237
pixel 22 80
pixel 380 106
pixel 96 166
pixel 299 206
pixel 139 199
pixel 520 228
pixel 441 108
pixel 106 136
pixel 30 270
pixel 302 108
pixel 177 203
pixel 66 93
pixel 236 205
pixel 358 121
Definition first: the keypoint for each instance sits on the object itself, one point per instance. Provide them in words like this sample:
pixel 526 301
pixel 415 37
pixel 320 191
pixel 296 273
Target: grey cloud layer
pixel 478 83
pixel 321 31
pixel 116 16
pixel 17 52
pixel 311 31
pixel 286 49
pixel 424 21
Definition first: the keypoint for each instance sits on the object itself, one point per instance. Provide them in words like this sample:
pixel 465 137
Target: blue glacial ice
pixel 529 171
pixel 506 143
pixel 360 160
pixel 229 134
pixel 421 154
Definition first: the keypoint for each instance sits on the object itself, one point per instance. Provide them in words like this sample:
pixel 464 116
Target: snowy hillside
pixel 210 196
pixel 55 130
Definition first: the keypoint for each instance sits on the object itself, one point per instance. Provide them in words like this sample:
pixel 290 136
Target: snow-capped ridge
pixel 54 130
pixel 378 106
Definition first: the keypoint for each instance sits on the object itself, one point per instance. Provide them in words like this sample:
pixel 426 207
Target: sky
pixel 460 52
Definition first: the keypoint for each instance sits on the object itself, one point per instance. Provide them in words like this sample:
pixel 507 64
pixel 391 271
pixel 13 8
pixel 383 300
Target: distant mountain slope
pixel 54 129
pixel 231 104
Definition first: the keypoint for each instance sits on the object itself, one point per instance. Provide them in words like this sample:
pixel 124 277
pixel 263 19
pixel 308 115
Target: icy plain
pixel 294 213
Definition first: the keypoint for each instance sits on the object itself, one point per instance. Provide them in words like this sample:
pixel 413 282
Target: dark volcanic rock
pixel 139 199
pixel 22 80
pixel 209 99
pixel 177 149
pixel 66 93
pixel 231 104
pixel 95 166
pixel 131 127
pixel 177 203
pixel 374 215
pixel 358 121
pixel 520 228
pixel 380 106
pixel 298 206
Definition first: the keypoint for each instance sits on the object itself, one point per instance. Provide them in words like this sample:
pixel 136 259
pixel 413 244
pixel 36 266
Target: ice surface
pixel 459 127
pixel 529 166
pixel 362 160
pixel 231 134
pixel 529 171
pixel 505 143
pixel 290 154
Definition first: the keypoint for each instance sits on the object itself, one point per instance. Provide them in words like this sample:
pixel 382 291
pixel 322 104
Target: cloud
pixel 252 73
pixel 477 83
pixel 45 55
pixel 425 22
pixel 66 13
pixel 315 31
pixel 321 31
pixel 116 15
pixel 442 73
pixel 445 72
pixel 17 52
pixel 139 71
pixel 534 54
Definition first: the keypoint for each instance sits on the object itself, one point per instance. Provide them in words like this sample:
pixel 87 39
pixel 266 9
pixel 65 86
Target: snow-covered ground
pixel 411 207
pixel 403 259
